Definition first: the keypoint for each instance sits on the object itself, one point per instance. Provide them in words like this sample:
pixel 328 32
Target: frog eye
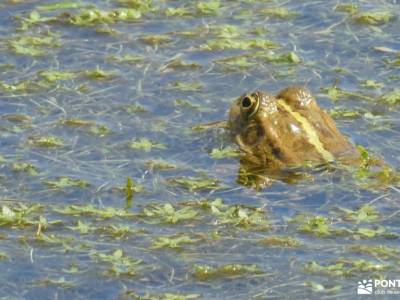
pixel 246 102
pixel 249 105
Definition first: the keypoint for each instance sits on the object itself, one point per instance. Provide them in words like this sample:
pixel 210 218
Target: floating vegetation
pixel 90 210
pixel 280 241
pixel 160 165
pixel 378 251
pixel 155 39
pixel 19 215
pixel 66 182
pixel 205 272
pixel 344 267
pixel 226 44
pixel 33 45
pixel 99 74
pixel 126 59
pixel 158 214
pixel 366 213
pixel 278 12
pixel 227 152
pixel 324 289
pixel 145 144
pixel 188 104
pixel 344 114
pixel 208 7
pixel 291 58
pixel 238 215
pixel 61 5
pixel 194 184
pixel 391 98
pixel 91 17
pixel 174 242
pixel 53 76
pixel 47 141
pixel 25 168
pixel 350 8
pixel 378 17
pixel 120 264
pixel 77 122
pixel 99 130
pixel 60 282
pixel 316 225
pixel 186 86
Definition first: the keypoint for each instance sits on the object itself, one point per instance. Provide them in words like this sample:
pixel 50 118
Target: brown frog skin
pixel 287 130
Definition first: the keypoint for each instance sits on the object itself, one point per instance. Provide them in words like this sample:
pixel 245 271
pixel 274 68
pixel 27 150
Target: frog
pixel 284 132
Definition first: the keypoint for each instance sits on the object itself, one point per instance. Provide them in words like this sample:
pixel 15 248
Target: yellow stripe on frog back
pixel 311 133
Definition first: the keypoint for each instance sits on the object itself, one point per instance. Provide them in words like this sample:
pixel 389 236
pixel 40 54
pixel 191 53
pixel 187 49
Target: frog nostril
pixel 246 102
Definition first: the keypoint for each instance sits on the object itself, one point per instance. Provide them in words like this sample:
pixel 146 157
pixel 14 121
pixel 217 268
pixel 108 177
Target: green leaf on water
pixel 392 97
pixel 241 216
pixel 145 144
pixel 4 256
pixel 208 7
pixel 77 122
pixel 24 167
pixel 374 17
pixel 227 152
pixel 178 11
pixel 349 8
pixel 53 76
pixel 99 130
pixel 174 241
pixel 317 225
pixel 343 267
pixel 91 17
pixel 239 44
pixel 160 164
pixel 324 289
pixel 156 214
pixel 372 84
pixel 291 58
pixel 179 64
pixel 278 12
pixel 368 233
pixel 140 5
pixel 127 58
pixel 155 39
pixel 338 113
pixel 194 184
pixel 366 213
pixel 98 74
pixel 236 61
pixel 205 272
pixel 61 5
pixel 82 227
pixel 119 263
pixel 379 252
pixel 90 210
pixel 47 141
pixel 33 45
pixel 186 86
pixel 280 241
pixel 19 215
pixel 60 282
pixel 66 182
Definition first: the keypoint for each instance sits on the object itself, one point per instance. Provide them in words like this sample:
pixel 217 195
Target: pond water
pixel 107 190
